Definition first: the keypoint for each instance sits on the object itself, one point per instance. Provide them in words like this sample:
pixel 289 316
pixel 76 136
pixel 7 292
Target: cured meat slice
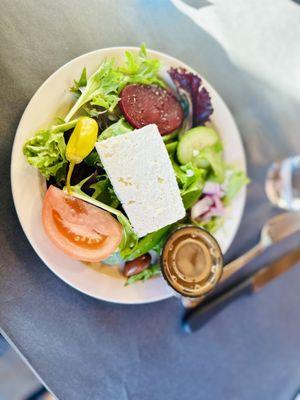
pixel 151 104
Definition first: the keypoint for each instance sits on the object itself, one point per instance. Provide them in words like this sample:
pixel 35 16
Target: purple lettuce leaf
pixel 190 85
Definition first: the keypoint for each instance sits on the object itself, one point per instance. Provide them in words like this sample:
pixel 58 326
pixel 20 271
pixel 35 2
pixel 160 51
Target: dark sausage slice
pixel 151 104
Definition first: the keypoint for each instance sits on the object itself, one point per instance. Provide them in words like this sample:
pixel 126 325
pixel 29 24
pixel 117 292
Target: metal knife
pixel 196 317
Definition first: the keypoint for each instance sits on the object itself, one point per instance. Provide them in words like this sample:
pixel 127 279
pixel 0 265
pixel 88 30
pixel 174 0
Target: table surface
pixel 88 349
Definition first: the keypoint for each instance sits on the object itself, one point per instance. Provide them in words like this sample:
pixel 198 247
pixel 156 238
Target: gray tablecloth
pixel 87 349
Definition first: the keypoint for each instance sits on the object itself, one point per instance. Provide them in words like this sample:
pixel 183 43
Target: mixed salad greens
pixel 207 184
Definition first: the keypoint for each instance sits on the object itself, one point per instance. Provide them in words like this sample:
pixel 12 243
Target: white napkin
pixel 260 36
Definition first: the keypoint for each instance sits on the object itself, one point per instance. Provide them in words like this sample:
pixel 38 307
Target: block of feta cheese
pixel 140 170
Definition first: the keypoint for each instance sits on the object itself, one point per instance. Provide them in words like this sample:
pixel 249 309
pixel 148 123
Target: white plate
pixel 53 99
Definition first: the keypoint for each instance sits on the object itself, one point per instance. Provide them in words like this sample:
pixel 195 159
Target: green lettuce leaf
pixel 211 225
pixel 104 192
pixel 191 181
pixel 152 241
pixel 193 184
pixel 102 88
pixel 80 84
pixel 191 195
pixel 171 147
pixel 93 112
pixel 213 156
pixel 148 273
pixel 141 69
pixel 93 159
pixel 46 151
pixel 105 100
pixel 235 181
pixel 171 136
pixel 118 128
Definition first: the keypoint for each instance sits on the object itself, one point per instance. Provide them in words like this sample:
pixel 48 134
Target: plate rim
pixel 243 193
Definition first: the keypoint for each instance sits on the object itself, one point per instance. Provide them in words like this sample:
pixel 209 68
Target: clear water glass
pixel 283 183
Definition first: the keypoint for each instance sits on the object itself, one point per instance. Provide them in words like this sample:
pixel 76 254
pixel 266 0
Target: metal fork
pixel 274 230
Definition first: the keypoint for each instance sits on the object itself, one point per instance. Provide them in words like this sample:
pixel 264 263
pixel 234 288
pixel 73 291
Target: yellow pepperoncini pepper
pixel 81 143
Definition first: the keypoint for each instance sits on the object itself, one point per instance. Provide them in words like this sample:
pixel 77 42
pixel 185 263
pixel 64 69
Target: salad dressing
pixel 113 271
pixel 192 261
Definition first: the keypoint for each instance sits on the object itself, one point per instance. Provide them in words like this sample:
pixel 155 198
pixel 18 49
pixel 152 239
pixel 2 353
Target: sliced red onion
pixel 213 188
pixel 207 207
pixel 213 212
pixel 201 207
pixel 218 203
pixel 216 210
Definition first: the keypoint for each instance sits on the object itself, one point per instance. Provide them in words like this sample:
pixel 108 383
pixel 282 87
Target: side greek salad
pixel 135 158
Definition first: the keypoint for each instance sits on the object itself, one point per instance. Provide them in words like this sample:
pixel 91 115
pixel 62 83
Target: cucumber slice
pixel 192 141
pixel 171 147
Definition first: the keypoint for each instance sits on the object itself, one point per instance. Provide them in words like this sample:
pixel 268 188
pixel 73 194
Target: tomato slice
pixel 79 229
